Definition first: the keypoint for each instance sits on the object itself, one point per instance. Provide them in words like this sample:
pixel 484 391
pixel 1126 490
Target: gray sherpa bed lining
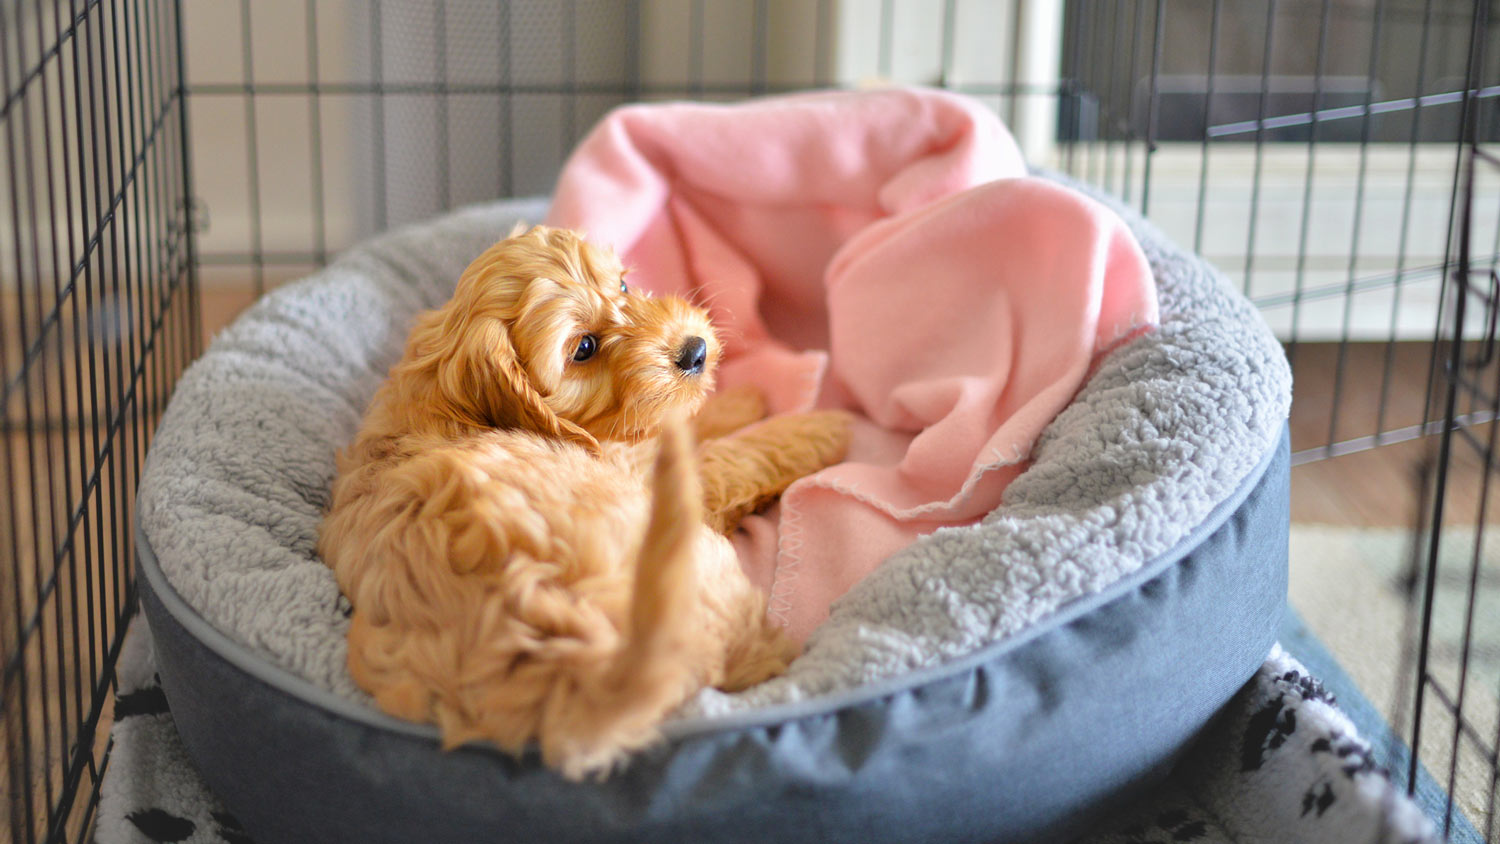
pixel 239 471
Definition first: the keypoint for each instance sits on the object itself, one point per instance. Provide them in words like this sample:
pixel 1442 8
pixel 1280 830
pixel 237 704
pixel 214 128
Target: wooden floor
pixel 1379 487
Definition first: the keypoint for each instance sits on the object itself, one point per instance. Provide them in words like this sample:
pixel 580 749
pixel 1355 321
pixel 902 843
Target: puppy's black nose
pixel 691 356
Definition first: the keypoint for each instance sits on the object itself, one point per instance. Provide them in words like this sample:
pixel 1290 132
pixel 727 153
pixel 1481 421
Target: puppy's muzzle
pixel 692 356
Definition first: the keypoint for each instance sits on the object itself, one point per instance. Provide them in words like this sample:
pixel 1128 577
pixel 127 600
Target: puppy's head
pixel 543 333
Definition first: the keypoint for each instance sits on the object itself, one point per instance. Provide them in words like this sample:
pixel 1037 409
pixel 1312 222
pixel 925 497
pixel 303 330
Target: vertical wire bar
pixel 1208 120
pixel 1359 207
pixel 1068 90
pixel 252 149
pixel 377 70
pixel 1388 367
pixel 1135 49
pixel 155 237
pixel 315 136
pixel 37 632
pixel 1444 448
pixel 1110 117
pixel 119 256
pixel 507 130
pixel 1454 213
pixel 1075 80
pixel 1466 256
pixel 759 48
pixel 135 282
pixel 570 75
pixel 173 245
pixel 168 245
pixel 19 795
pixel 822 44
pixel 1464 185
pixel 109 274
pixel 37 436
pixel 185 172
pixel 695 49
pixel 1103 94
pixel 945 60
pixel 1267 51
pixel 1007 86
pixel 150 215
pixel 83 281
pixel 884 60
pixel 46 218
pixel 25 782
pixel 1086 95
pixel 164 299
pixel 62 263
pixel 124 372
pixel 164 288
pixel 87 437
pixel 1298 282
pixel 1091 77
pixel 1489 467
pixel 61 542
pixel 1471 599
pixel 633 51
pixel 1154 105
pixel 440 27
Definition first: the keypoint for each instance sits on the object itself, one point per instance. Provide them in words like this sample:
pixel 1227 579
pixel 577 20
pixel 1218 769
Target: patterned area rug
pixel 1353 589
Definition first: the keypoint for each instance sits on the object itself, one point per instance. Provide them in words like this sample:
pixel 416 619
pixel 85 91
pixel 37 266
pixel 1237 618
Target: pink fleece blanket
pixel 883 252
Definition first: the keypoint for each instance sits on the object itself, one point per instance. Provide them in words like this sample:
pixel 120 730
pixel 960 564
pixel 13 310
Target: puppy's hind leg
pixel 746 470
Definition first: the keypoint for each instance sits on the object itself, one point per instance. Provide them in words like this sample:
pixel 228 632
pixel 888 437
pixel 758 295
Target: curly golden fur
pixel 520 524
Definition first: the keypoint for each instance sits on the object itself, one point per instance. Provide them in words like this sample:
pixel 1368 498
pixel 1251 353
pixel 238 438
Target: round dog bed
pixel 1005 681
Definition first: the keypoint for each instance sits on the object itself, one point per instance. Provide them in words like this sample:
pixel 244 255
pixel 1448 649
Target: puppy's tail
pixel 654 672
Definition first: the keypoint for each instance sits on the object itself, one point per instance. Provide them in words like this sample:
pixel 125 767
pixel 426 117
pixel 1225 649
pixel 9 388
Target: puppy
pixel 520 524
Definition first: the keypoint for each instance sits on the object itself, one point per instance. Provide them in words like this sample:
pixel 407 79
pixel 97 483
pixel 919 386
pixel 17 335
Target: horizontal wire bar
pixel 67 424
pixel 1465 728
pixel 1395 435
pixel 95 239
pixel 272 258
pixel 1482 448
pixel 1305 118
pixel 217 89
pixel 1340 288
pixel 1473 390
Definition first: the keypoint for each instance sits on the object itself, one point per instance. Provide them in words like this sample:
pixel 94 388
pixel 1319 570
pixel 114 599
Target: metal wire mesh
pixel 1456 718
pixel 97 302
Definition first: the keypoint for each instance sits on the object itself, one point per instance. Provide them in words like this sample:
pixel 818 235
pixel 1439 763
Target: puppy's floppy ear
pixel 481 377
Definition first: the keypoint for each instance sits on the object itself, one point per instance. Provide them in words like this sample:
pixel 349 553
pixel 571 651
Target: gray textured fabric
pixel 239 471
pixel 1027 740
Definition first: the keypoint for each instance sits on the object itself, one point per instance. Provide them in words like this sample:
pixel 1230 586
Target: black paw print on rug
pixel 161 825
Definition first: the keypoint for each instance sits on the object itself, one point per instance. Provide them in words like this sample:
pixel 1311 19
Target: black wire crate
pixel 97 304
pixel 165 162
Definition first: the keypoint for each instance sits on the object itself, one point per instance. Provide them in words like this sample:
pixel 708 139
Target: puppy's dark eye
pixel 623 288
pixel 586 348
